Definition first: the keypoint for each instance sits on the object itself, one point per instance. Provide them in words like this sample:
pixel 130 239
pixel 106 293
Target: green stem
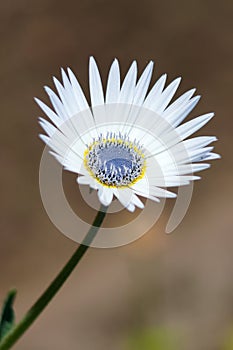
pixel 19 329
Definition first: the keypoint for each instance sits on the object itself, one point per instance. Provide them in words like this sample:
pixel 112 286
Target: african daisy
pixel 129 142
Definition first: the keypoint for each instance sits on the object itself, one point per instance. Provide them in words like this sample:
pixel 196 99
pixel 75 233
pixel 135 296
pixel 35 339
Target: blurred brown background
pixel 161 289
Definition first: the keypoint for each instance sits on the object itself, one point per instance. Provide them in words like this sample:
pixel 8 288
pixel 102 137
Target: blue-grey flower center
pixel 114 160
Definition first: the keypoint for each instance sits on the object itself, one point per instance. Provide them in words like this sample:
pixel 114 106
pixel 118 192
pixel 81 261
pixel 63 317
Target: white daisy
pixel 129 143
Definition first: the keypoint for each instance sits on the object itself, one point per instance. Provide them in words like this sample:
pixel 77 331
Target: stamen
pixel 114 160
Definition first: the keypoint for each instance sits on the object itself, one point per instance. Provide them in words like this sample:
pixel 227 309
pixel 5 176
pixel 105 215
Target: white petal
pixel 178 116
pixel 44 138
pixel 143 84
pixel 183 156
pixel 147 195
pixel 77 91
pixel 128 86
pixel 155 92
pixel 66 82
pixel 124 195
pixel 49 112
pixel 57 104
pixel 63 146
pixel 172 181
pixel 63 96
pixel 142 188
pixel 94 185
pixel 131 207
pixel 199 142
pixel 136 201
pixel 199 154
pixel 83 180
pixel 212 156
pixel 75 167
pixel 96 88
pixel 160 192
pixel 113 84
pixel 105 195
pixel 193 125
pixel 166 96
pixel 178 103
pixel 141 185
pixel 188 169
pixel 59 158
pixel 48 127
pixel 69 94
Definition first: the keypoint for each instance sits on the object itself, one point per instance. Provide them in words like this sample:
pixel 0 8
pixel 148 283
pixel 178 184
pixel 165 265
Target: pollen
pixel 114 160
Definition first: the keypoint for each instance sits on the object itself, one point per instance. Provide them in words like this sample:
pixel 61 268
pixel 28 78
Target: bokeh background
pixel 163 291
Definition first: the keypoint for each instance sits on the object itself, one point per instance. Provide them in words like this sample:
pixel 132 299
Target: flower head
pixel 129 142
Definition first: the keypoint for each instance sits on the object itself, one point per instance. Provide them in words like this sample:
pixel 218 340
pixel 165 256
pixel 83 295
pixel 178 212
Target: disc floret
pixel 114 160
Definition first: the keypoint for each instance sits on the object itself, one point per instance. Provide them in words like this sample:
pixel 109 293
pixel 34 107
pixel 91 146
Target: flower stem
pixel 18 330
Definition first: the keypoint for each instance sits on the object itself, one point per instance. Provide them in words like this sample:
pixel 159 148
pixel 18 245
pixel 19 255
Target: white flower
pixel 129 143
